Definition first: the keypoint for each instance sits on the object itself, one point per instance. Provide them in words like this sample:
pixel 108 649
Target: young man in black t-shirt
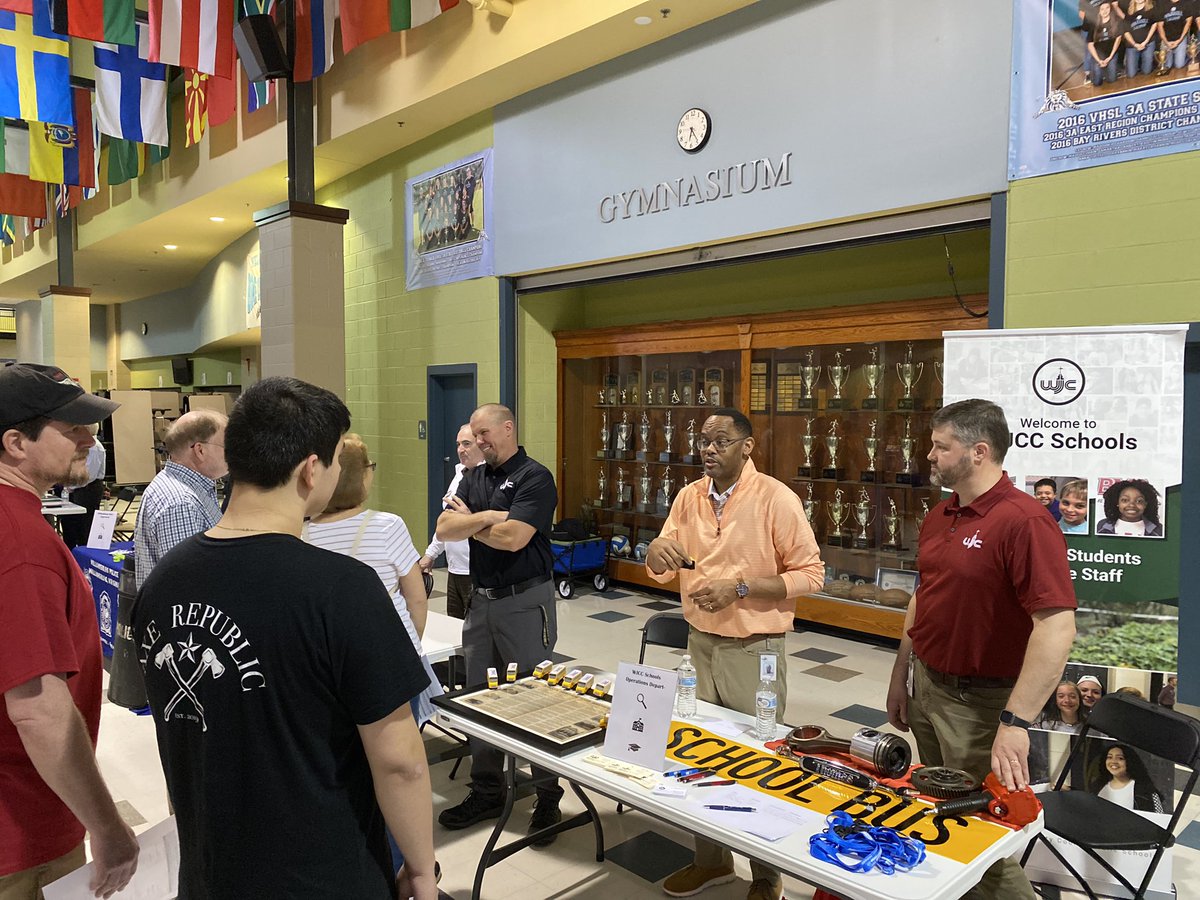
pixel 280 677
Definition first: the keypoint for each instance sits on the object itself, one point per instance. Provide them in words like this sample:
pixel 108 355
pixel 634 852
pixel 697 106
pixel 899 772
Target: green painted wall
pixel 393 335
pixel 1109 245
pixel 216 367
pixel 538 317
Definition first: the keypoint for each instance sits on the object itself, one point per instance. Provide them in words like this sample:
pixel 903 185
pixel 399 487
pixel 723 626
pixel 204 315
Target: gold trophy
pixel 837 514
pixel 692 457
pixel 675 401
pixel 806 443
pixel 644 437
pixel 647 504
pixel 891 522
pixel 838 373
pixel 871 443
pixel 808 379
pixel 864 515
pixel 909 374
pixel 668 440
pixel 623 433
pixel 624 398
pixel 908 451
pixel 873 376
pixel 601 486
pixel 605 434
pixel 601 393
pixel 939 372
pixel 1193 50
pixel 649 396
pixel 920 516
pixel 833 442
pixel 1160 57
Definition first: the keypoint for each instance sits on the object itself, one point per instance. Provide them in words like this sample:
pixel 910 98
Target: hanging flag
pixel 25 7
pixel 194 34
pixel 131 93
pixel 314 38
pixel 94 189
pixel 222 99
pixel 8 230
pixel 66 198
pixel 35 69
pixel 411 13
pixel 21 196
pixel 195 102
pixel 36 223
pixel 63 155
pixel 14 149
pixel 95 20
pixel 128 160
pixel 365 20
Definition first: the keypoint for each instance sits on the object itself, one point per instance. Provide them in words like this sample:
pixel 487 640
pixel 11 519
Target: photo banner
pixel 1091 87
pixel 1096 416
pixel 448 217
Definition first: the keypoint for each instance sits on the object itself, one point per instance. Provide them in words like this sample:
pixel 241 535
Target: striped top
pixel 386 547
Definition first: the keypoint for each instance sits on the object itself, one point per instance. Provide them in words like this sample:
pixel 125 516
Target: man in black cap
pixel 50 664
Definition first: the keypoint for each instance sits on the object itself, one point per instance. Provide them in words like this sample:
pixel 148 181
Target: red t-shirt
pixel 985 568
pixel 47 625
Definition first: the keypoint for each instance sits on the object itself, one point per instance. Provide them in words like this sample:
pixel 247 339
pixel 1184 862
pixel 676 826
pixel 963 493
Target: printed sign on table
pixel 643 701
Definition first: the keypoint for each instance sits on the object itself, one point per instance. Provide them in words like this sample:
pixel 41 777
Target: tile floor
pixel 833 681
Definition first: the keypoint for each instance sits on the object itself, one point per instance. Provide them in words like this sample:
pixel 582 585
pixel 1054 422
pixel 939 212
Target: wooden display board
pixel 133 437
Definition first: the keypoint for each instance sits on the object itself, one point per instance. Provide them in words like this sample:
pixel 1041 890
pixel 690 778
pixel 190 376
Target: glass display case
pixel 840 401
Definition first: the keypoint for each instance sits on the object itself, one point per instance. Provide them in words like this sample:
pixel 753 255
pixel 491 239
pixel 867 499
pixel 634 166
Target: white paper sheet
pixel 157 876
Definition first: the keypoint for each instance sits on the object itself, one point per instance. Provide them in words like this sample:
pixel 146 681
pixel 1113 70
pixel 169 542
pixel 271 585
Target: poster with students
pixel 1096 416
pixel 1097 82
pixel 448 222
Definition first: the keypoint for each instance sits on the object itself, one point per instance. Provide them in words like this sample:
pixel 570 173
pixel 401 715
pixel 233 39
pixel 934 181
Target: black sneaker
pixel 545 814
pixel 473 809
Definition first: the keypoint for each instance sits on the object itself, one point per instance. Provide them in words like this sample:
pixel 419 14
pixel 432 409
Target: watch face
pixel 695 128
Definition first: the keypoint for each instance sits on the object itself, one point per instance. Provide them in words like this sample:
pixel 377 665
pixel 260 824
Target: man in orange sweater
pixel 754 553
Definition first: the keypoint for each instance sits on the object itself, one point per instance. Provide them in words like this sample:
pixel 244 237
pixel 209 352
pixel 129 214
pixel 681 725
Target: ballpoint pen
pixel 696 776
pixel 732 808
pixel 679 773
pixel 724 781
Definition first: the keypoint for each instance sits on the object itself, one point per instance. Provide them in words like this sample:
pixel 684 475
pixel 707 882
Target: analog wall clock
pixel 695 128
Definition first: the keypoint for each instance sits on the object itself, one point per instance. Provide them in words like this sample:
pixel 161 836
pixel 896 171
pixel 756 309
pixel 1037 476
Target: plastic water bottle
pixel 764 707
pixel 685 691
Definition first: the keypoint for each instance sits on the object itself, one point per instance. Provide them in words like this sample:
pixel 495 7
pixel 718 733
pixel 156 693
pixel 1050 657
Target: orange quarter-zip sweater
pixel 762 532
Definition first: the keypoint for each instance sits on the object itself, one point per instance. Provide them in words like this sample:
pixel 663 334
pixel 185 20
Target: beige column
pixel 56 331
pixel 118 372
pixel 302 280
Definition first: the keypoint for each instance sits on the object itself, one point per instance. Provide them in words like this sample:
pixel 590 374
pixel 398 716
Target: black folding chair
pixel 667 629
pixel 126 496
pixel 1094 824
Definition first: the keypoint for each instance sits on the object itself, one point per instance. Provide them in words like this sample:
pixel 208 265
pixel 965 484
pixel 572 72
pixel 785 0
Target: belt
pixel 499 593
pixel 966 682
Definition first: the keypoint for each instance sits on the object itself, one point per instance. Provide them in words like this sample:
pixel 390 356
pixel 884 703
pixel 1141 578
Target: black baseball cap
pixel 29 390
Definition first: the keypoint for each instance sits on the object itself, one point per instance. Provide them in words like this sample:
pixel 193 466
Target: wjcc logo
pixel 1059 381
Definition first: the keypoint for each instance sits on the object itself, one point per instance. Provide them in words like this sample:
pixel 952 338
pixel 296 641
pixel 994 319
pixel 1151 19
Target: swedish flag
pixel 35 69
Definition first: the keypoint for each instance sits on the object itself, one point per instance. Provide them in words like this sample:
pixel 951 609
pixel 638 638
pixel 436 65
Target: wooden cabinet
pixel 840 400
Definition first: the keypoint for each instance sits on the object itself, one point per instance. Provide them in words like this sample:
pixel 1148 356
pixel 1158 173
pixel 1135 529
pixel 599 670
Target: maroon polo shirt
pixel 985 569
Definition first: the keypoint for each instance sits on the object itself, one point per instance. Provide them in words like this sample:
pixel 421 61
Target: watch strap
pixel 1009 718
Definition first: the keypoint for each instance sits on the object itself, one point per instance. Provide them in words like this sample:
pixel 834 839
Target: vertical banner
pixel 448 221
pixel 253 289
pixel 1096 416
pixel 1093 83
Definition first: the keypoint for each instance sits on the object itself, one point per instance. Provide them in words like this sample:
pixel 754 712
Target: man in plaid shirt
pixel 182 499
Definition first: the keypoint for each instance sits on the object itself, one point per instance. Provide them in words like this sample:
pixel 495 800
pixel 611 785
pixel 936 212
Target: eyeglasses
pixel 372 465
pixel 719 444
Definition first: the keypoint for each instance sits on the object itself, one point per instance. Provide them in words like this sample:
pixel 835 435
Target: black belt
pixel 499 593
pixel 966 682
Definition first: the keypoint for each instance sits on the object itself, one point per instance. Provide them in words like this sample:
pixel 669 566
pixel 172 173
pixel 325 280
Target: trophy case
pixel 840 400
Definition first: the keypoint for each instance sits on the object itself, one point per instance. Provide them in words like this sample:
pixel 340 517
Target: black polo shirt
pixel 525 489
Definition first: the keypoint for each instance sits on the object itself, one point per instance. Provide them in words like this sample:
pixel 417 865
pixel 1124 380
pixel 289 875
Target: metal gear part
pixel 943 783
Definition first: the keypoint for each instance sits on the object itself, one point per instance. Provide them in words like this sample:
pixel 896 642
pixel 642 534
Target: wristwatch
pixel 1007 718
pixel 742 589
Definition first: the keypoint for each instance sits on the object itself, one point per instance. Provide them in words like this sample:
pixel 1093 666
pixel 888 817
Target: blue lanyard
pixel 882 848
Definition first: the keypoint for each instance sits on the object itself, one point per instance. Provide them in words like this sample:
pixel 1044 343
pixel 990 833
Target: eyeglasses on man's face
pixel 718 444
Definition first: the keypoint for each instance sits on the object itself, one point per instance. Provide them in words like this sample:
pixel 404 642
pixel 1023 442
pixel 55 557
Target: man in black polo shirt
pixel 506 508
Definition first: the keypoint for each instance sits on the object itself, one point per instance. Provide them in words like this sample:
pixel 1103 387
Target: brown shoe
pixel 692 880
pixel 765 889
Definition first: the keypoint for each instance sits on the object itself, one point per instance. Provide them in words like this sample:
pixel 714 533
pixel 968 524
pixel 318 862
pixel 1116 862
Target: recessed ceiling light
pixel 642 20
pixel 170 246
pixel 216 218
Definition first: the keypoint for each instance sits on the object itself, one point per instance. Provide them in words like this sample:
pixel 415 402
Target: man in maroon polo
pixel 988 632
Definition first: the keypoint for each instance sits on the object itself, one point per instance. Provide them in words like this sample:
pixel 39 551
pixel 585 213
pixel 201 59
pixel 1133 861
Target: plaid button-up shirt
pixel 177 504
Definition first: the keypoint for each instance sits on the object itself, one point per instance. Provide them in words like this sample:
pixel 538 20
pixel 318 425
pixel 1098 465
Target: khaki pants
pixel 956 729
pixel 28 883
pixel 727 674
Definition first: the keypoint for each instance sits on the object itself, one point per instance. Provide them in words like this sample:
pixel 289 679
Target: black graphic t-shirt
pixel 1174 18
pixel 1104 35
pixel 1138 25
pixel 262 655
